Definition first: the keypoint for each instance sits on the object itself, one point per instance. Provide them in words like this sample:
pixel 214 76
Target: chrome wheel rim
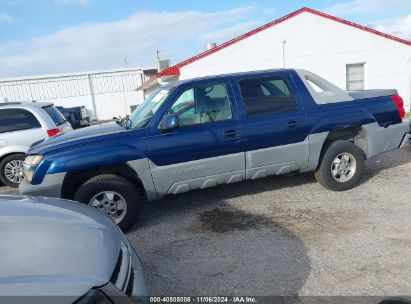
pixel 111 203
pixel 343 167
pixel 13 171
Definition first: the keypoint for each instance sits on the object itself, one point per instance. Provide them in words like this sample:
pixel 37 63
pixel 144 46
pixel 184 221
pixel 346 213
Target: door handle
pixel 231 134
pixel 293 124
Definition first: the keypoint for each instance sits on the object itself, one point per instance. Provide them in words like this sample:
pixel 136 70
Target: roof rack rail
pixel 9 103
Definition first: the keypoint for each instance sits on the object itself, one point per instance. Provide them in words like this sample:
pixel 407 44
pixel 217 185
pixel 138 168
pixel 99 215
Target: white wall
pixel 317 44
pixel 111 105
pixel 108 105
pixel 74 102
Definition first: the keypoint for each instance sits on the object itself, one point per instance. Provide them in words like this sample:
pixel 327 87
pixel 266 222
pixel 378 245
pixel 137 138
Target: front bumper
pixel 50 187
pixel 140 279
pixel 128 282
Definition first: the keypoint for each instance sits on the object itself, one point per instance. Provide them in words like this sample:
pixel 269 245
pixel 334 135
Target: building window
pixel 355 76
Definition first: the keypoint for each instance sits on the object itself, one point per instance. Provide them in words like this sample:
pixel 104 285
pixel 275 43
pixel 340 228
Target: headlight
pixel 30 164
pixel 32 160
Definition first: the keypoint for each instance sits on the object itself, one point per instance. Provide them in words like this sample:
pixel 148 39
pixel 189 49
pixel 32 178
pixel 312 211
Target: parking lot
pixel 283 236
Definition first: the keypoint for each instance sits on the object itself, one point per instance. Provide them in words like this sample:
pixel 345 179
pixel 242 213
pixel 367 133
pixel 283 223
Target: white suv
pixel 22 125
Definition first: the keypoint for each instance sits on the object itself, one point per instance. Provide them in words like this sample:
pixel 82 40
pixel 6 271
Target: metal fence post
pixel 93 99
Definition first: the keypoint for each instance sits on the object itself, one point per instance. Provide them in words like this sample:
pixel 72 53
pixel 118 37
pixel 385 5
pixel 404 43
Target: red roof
pixel 175 70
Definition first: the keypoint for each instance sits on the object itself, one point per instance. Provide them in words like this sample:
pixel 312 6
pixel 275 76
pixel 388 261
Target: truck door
pixel 205 149
pixel 274 122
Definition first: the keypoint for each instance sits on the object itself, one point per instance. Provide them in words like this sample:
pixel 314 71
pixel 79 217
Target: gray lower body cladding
pixel 142 167
pixel 202 173
pixel 205 173
pixel 49 187
pixel 277 160
pixel 374 140
pixel 301 157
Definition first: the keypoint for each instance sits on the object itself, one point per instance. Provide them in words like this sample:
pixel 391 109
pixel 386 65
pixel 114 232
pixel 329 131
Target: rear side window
pixel 16 120
pixel 55 115
pixel 266 95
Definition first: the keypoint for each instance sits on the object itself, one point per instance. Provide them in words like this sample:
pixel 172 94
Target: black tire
pixel 335 149
pixel 3 163
pixel 118 184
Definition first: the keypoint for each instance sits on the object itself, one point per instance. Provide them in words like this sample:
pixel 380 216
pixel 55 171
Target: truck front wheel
pixel 341 167
pixel 113 195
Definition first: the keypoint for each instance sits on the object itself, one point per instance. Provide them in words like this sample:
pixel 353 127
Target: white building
pixel 105 94
pixel 350 55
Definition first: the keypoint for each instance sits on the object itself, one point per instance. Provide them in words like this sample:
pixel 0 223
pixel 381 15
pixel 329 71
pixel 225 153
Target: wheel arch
pixel 74 179
pixel 10 150
pixel 347 134
pixel 319 143
pixel 344 134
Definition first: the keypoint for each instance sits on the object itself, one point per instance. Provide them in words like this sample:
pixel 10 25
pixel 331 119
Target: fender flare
pixel 13 150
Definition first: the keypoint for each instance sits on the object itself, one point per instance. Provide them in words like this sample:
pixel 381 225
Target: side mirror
pixel 169 121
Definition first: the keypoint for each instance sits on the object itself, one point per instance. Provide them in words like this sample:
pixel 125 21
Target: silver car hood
pixel 54 247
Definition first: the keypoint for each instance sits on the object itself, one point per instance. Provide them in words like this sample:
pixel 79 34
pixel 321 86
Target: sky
pixel 58 36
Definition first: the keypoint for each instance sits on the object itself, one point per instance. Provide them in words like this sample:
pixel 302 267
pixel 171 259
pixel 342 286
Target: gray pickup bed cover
pixel 371 93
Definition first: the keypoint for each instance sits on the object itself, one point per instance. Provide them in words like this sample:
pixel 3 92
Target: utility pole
pixel 93 99
pixel 124 88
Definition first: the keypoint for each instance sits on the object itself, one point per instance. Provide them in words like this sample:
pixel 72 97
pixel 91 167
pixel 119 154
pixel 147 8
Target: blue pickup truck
pixel 199 133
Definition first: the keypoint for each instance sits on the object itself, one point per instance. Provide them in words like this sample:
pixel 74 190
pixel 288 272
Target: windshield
pixel 55 115
pixel 143 114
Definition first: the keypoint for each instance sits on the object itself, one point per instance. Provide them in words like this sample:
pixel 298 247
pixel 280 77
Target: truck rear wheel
pixel 113 195
pixel 341 167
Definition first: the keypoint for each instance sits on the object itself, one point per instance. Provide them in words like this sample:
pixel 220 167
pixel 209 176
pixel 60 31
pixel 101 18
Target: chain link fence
pixel 47 88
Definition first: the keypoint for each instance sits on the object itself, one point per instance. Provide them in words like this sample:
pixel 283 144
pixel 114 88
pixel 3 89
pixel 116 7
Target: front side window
pixel 266 95
pixel 16 120
pixel 202 104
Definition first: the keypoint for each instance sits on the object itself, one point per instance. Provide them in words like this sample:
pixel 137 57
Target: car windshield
pixel 143 114
pixel 55 115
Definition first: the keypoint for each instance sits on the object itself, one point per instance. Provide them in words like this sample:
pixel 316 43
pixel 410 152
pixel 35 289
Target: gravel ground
pixel 283 236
